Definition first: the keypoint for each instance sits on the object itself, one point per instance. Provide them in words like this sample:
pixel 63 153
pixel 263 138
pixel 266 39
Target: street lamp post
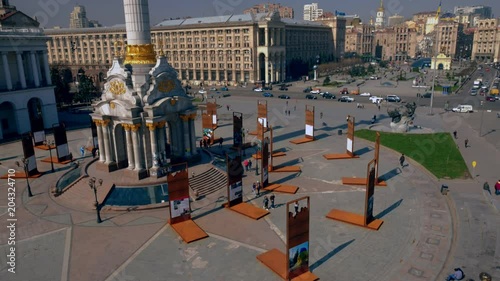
pixel 25 163
pixel 482 115
pixel 50 143
pixel 257 162
pixel 93 186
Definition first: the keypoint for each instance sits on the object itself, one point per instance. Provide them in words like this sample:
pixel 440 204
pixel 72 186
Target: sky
pixel 52 13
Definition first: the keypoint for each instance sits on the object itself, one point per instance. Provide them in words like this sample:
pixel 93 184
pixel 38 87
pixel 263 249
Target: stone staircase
pixel 208 182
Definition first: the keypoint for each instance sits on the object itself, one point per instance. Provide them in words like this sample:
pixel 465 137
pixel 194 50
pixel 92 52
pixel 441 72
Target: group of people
pixel 266 202
pixel 247 164
pixel 204 143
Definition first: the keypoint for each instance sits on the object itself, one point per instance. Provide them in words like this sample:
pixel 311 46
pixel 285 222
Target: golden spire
pixel 381 8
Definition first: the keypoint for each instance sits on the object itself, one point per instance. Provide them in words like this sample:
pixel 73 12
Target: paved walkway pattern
pixel 424 236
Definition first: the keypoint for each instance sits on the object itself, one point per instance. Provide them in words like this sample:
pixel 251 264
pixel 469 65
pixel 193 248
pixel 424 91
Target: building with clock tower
pixel 380 19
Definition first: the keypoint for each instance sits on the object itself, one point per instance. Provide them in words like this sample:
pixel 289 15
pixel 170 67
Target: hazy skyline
pixel 110 12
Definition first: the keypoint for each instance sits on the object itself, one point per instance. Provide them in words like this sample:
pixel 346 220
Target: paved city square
pixel 424 234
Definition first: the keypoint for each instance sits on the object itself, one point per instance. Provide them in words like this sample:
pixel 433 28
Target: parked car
pixel 375 99
pixel 267 95
pixel 393 98
pixel 374 77
pixel 345 99
pixel 427 95
pixel 283 88
pixel 315 91
pixel 473 92
pixel 307 90
pixel 328 96
pixel 202 92
pixel 365 95
pixel 224 89
pixel 490 98
pixel 257 89
pixel 213 89
pixel 344 91
pixel 285 97
pixel 311 97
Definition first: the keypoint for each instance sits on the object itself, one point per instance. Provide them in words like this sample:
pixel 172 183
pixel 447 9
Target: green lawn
pixel 437 152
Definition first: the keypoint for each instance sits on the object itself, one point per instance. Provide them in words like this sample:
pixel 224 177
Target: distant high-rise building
pixel 470 15
pixel 78 18
pixel 284 11
pixel 94 23
pixel 312 12
pixel 395 20
pixel 380 20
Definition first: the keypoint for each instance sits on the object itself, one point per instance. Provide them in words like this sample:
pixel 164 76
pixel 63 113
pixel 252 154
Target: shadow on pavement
pixel 363 151
pixel 389 209
pixel 332 253
pixel 221 199
pixel 287 136
pixel 389 175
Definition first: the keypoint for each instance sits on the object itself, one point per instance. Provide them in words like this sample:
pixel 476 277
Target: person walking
pixel 249 164
pixel 220 142
pixel 266 203
pixel 245 163
pixel 272 200
pixel 258 188
pixel 254 187
pixel 82 150
pixel 296 207
pixel 321 115
pixel 466 142
pixel 455 134
pixel 497 188
pixel 402 160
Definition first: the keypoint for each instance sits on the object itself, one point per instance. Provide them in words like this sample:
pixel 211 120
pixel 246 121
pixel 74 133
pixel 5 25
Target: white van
pixel 463 108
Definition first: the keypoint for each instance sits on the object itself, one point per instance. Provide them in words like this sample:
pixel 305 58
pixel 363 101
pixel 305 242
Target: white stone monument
pixel 144 118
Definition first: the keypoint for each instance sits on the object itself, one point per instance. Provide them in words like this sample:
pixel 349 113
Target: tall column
pixel 186 133
pixel 136 141
pixel 154 143
pixel 20 69
pixel 266 34
pixel 38 67
pixel 46 69
pixel 130 147
pixel 34 66
pixel 6 70
pixel 192 133
pixel 271 78
pixel 100 141
pixel 266 74
pixel 107 142
pixel 273 42
pixel 161 138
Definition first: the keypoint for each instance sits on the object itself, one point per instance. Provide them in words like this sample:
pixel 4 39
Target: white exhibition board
pixel 263 122
pixel 349 145
pixel 62 150
pixel 214 119
pixel 309 130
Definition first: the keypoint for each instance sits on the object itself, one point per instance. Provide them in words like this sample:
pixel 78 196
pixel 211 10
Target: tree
pixel 370 69
pixel 86 89
pixel 326 81
pixel 383 64
pixel 61 90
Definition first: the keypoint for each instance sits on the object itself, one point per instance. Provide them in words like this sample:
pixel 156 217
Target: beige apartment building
pixel 397 43
pixel 486 42
pixel 223 50
pixel 359 40
pixel 447 36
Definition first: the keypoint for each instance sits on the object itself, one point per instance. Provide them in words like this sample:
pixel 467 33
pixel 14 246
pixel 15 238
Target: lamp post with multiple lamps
pixel 94 186
pixel 24 164
pixel 50 144
pixel 315 67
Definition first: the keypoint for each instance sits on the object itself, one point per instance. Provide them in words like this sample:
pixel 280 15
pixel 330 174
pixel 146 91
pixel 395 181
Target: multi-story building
pixel 359 40
pixel 397 43
pixel 78 18
pixel 312 12
pixel 469 15
pixel 284 11
pixel 395 20
pixel 451 39
pixel 486 44
pixel 228 49
pixel 27 101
